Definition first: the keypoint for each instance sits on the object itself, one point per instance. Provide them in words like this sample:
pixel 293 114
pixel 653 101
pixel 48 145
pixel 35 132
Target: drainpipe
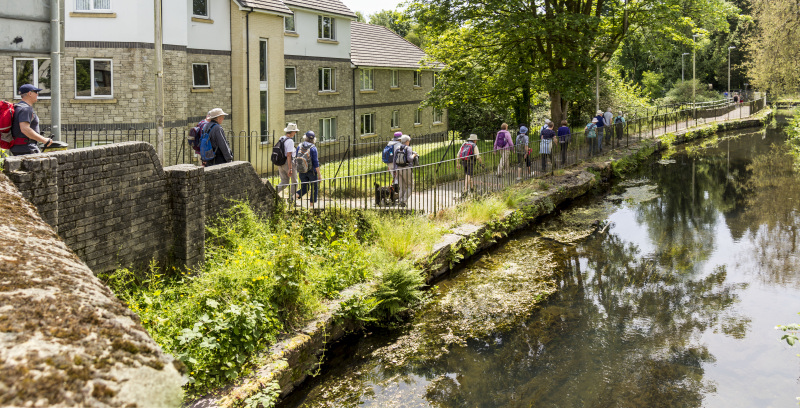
pixel 55 69
pixel 159 68
pixel 247 63
pixel 353 68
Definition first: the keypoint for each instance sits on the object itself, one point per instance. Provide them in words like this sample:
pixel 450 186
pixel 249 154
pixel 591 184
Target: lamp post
pixel 729 68
pixel 682 67
pixel 694 68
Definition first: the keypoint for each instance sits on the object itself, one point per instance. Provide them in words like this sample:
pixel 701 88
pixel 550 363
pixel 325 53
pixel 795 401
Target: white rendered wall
pixel 176 15
pixel 216 36
pixel 306 44
pixel 134 23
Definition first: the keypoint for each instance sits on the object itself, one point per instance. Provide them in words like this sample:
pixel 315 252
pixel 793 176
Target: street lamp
pixel 729 68
pixel 682 69
pixel 694 67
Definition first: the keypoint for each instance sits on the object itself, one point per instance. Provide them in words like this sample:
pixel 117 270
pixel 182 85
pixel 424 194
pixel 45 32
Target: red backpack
pixel 6 120
pixel 467 151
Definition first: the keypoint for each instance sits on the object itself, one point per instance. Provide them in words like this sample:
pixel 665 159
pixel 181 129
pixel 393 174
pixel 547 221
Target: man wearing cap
pixel 25 126
pixel 601 122
pixel 394 143
pixel 216 135
pixel 288 176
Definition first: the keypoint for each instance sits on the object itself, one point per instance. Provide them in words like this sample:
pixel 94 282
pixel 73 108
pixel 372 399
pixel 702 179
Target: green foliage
pixel 773 46
pixel 398 288
pixel 653 84
pixel 483 210
pixel 404 236
pixel 793 131
pixel 3 155
pixel 790 337
pixel 359 307
pixel 266 397
pixel 682 93
pixel 393 20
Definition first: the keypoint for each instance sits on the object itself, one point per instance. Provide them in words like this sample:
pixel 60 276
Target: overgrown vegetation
pixel 793 130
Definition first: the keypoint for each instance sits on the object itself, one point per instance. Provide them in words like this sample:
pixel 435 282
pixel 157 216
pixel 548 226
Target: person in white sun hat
pixel 288 175
pixel 216 135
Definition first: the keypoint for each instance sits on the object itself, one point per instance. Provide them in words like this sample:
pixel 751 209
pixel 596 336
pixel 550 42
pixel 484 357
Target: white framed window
pixel 34 71
pixel 326 28
pixel 327 79
pixel 288 24
pixel 418 116
pixel 368 124
pixel 93 5
pixel 327 129
pixel 291 78
pixel 94 78
pixel 438 114
pixel 366 80
pixel 263 88
pixel 395 121
pixel 417 78
pixel 395 78
pixel 200 8
pixel 200 77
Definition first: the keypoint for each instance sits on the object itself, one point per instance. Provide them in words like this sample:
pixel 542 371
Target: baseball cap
pixel 27 88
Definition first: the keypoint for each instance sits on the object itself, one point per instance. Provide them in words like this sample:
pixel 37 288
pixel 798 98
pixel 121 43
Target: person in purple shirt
pixel 309 181
pixel 600 124
pixel 504 144
pixel 546 145
pixel 563 141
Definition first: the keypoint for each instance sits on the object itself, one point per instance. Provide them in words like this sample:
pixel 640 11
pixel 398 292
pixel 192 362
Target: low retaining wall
pixel 65 340
pixel 115 206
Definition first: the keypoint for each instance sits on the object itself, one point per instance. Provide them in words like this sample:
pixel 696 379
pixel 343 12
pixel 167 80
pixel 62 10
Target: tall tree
pixel 773 46
pixel 393 20
pixel 554 45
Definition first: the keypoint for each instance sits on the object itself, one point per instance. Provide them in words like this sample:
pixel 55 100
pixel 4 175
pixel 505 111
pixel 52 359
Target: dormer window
pixel 326 28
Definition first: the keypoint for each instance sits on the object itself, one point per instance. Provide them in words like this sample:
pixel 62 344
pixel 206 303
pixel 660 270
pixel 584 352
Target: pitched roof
pixel 274 6
pixel 377 46
pixel 328 6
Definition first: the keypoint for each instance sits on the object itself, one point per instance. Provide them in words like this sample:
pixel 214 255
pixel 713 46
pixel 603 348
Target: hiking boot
pixel 402 204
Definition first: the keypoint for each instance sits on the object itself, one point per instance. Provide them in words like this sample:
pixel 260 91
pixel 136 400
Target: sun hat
pixel 397 135
pixel 292 127
pixel 213 113
pixel 594 120
pixel 27 88
pixel 523 130
pixel 599 112
pixel 473 137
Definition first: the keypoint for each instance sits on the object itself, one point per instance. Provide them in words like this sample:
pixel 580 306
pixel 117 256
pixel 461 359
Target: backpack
pixel 501 143
pixel 388 153
pixel 467 151
pixel 522 140
pixel 207 151
pixel 401 156
pixel 303 159
pixel 195 134
pixel 591 131
pixel 619 119
pixel 278 156
pixel 7 141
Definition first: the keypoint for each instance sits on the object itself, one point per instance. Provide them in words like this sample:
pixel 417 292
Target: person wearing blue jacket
pixel 309 181
pixel 601 122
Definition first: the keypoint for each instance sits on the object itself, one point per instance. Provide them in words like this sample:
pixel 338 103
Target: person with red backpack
pixel 25 124
pixel 468 154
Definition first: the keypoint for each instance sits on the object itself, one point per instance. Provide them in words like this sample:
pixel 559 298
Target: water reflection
pixel 644 314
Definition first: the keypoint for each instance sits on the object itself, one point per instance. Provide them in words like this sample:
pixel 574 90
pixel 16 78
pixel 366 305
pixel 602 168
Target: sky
pixel 371 6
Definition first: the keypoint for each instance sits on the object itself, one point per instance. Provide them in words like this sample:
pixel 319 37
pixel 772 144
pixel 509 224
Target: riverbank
pixel 291 360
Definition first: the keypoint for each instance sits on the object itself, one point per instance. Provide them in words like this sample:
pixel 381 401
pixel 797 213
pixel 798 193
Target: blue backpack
pixel 388 154
pixel 207 152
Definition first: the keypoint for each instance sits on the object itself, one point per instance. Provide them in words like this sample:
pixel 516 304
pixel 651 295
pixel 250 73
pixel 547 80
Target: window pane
pixel 24 73
pixel 333 129
pixel 291 80
pixel 83 77
pixel 102 78
pixel 264 133
pixel 319 26
pixel 288 23
pixel 102 4
pixel 199 8
pixel 44 77
pixel 262 61
pixel 200 75
pixel 83 5
pixel 326 27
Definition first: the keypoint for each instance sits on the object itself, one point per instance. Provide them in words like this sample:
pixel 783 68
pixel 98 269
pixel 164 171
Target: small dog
pixel 385 195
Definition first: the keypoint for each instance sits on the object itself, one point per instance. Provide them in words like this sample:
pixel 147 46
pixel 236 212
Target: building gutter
pixel 55 67
pixel 247 63
pixel 353 68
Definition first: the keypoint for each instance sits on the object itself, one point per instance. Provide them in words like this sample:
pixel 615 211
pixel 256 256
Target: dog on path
pixel 385 195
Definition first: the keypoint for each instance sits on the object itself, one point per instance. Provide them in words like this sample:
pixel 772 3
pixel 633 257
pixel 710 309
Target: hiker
pixel 388 155
pixel 591 135
pixel 608 121
pixel 307 165
pixel 619 124
pixel 282 155
pixel 503 143
pixel 404 158
pixel 25 124
pixel 600 125
pixel 546 124
pixel 220 151
pixel 522 152
pixel 195 134
pixel 468 154
pixel 546 146
pixel 564 135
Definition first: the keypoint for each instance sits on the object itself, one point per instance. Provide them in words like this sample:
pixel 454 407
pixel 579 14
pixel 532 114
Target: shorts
pixel 523 160
pixel 469 167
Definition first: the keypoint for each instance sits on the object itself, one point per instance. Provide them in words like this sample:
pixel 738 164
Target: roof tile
pixel 276 6
pixel 377 46
pixel 329 6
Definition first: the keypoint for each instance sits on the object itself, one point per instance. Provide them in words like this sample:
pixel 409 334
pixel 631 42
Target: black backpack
pixel 401 158
pixel 278 156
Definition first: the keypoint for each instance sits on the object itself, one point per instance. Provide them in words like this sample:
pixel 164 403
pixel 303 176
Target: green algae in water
pixel 576 224
pixel 635 195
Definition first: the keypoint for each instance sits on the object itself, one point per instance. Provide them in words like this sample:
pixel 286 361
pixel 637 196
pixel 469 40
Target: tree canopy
pixel 773 46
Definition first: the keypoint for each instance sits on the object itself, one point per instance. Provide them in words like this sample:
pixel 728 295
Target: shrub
pixel 398 288
pixel 404 236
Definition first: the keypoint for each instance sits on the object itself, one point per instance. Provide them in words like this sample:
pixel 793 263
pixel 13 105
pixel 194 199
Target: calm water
pixel 673 305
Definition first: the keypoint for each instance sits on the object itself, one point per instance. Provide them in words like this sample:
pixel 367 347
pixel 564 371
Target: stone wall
pixel 115 205
pixel 66 340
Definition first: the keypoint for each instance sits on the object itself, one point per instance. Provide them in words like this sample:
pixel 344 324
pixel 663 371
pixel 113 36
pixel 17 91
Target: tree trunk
pixel 557 113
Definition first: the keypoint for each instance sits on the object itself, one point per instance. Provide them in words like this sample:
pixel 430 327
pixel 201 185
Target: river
pixel 671 301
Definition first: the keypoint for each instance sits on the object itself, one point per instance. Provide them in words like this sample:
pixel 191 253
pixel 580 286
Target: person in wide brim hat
pixel 215 113
pixel 292 127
